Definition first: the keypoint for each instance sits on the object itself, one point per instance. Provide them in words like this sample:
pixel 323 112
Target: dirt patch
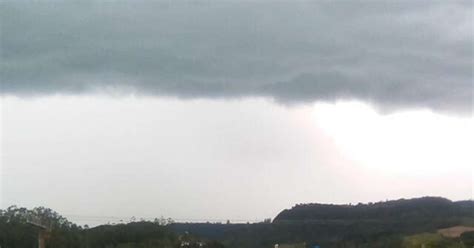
pixel 455 231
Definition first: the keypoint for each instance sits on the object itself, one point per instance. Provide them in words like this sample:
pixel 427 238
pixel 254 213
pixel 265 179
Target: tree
pixel 467 239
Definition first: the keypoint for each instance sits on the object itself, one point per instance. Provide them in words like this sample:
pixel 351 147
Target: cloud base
pixel 395 55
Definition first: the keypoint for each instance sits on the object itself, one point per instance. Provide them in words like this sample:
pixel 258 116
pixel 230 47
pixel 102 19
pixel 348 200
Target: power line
pixel 148 218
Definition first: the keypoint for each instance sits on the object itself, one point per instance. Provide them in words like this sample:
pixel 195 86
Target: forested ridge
pixel 380 224
pixel 409 209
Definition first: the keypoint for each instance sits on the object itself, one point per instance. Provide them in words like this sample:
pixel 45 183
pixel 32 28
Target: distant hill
pixel 381 224
pixel 408 209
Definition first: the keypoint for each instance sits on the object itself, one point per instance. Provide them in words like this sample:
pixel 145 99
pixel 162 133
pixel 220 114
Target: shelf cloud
pixel 405 54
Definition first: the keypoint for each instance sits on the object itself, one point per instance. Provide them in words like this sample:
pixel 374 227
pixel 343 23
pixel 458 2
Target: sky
pixel 206 110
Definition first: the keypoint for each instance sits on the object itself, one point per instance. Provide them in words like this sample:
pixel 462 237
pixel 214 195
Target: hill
pixel 381 224
pixel 408 209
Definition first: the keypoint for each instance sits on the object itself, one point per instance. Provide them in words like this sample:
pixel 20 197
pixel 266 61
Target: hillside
pixel 408 209
pixel 382 224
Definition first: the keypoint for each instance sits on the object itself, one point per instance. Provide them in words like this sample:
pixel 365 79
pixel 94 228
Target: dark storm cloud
pixel 394 54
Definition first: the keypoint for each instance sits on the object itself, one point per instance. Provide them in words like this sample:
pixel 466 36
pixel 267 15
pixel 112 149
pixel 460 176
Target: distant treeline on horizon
pixel 381 224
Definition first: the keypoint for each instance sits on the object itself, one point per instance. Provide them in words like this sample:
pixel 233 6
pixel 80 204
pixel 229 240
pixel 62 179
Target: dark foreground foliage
pixel 468 239
pixel 16 232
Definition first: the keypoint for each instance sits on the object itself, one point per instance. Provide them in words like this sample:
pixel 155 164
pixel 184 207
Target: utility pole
pixel 43 232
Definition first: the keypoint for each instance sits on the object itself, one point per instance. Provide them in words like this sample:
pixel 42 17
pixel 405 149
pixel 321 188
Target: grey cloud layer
pixel 394 54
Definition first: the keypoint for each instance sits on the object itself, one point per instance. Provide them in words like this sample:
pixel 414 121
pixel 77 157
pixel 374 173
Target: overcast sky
pixel 234 109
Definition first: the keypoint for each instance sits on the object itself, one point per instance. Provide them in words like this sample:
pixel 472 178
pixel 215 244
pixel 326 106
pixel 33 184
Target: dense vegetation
pixel 382 224
pixel 401 223
pixel 413 209
pixel 16 232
